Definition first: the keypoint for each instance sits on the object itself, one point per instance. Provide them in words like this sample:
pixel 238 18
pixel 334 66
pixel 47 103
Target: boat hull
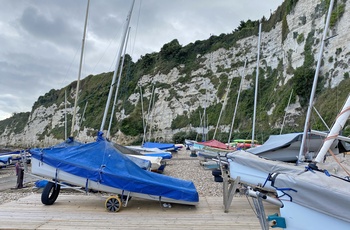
pixel 47 171
pixel 298 217
pixel 255 171
pixel 313 195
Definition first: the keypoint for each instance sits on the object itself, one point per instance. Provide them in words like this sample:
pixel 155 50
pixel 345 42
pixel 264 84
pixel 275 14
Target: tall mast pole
pixel 256 85
pixel 314 84
pixel 79 74
pixel 238 96
pixel 118 84
pixel 116 66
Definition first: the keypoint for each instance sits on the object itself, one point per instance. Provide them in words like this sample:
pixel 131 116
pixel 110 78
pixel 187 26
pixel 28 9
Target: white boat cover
pixel 269 166
pixel 276 142
pixel 319 192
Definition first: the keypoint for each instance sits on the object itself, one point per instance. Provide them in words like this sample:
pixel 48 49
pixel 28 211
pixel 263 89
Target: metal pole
pixel 117 88
pixel 65 115
pixel 223 107
pixel 143 117
pixel 116 67
pixel 256 86
pixel 79 74
pixel 314 84
pixel 236 106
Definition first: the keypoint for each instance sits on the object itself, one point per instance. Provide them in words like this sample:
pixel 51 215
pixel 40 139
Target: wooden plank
pixel 78 211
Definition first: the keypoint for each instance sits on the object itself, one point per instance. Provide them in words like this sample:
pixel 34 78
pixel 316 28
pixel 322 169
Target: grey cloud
pixel 41 39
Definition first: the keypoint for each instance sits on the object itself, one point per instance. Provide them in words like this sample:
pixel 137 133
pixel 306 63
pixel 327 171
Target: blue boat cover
pixel 101 162
pixel 142 163
pixel 162 146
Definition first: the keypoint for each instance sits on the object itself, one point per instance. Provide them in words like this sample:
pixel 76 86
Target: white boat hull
pixel 302 218
pixel 249 175
pixel 255 171
pixel 47 171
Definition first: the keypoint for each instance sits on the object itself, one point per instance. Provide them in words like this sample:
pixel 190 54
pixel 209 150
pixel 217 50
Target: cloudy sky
pixel 40 40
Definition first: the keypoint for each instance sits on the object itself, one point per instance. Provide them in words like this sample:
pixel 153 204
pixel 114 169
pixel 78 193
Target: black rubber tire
pixel 50 193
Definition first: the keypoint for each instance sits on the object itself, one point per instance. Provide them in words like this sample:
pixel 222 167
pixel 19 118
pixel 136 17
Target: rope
pixel 343 111
pixel 336 159
pixel 253 209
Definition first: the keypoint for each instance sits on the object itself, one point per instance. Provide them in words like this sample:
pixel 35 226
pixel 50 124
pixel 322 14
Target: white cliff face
pixel 199 91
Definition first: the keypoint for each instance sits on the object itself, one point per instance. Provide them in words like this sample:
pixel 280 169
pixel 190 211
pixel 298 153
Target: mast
pixel 79 74
pixel 65 115
pixel 118 84
pixel 143 117
pixel 148 114
pixel 116 67
pixel 152 116
pixel 256 86
pixel 337 127
pixel 223 107
pixel 239 93
pixel 314 84
pixel 82 116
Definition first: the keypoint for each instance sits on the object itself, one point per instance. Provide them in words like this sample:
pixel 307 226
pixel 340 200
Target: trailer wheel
pixel 50 193
pixel 113 204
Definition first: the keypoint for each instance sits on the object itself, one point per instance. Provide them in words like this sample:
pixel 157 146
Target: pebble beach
pixel 181 166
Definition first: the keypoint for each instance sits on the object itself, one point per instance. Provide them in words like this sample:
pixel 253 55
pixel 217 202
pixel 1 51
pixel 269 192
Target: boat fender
pixel 276 221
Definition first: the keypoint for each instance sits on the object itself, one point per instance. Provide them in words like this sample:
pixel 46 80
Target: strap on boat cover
pixel 86 185
pixel 56 177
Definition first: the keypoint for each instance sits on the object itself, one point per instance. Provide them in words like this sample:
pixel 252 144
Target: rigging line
pixel 70 66
pixel 149 110
pixel 223 106
pixel 285 114
pixel 152 117
pixel 108 48
pixel 143 116
pixel 237 100
pixel 319 115
pixel 340 164
pixel 116 55
pixel 137 26
pixel 118 85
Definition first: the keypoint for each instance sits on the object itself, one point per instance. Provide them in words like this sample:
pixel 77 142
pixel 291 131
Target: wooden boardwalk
pixel 77 211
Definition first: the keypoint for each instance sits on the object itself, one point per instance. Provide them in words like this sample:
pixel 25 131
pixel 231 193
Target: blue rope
pixel 267 179
pixel 286 194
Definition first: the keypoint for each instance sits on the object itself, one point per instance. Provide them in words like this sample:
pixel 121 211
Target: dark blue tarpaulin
pixel 161 146
pixel 101 162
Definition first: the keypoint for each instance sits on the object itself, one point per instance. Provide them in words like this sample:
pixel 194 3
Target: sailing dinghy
pixel 101 167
